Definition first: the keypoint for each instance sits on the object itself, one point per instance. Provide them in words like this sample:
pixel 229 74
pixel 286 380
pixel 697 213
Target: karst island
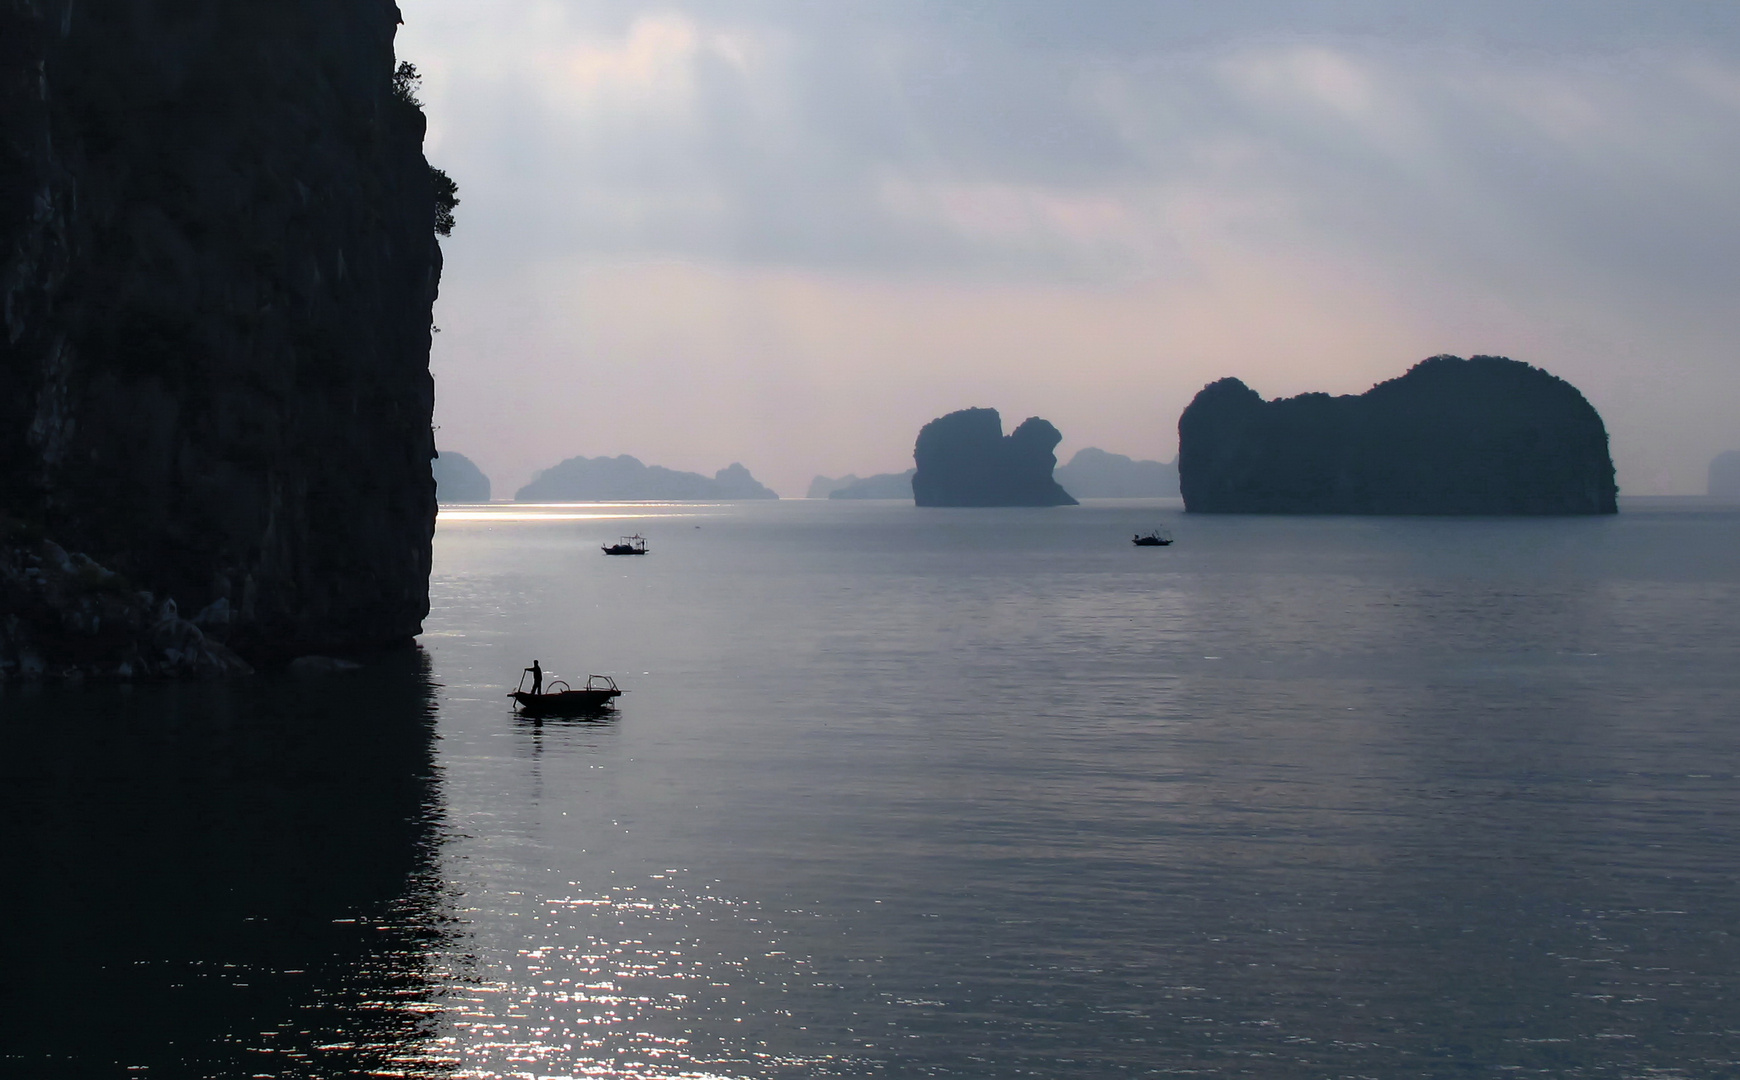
pixel 1481 436
pixel 964 459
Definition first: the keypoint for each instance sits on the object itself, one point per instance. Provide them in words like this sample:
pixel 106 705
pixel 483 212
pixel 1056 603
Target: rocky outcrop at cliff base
pixel 67 616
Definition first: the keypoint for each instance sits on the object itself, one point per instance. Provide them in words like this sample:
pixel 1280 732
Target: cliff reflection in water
pixel 219 879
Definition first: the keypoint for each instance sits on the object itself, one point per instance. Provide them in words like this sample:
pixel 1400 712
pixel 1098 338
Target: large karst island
pixel 626 479
pixel 1486 435
pixel 964 459
pixel 218 259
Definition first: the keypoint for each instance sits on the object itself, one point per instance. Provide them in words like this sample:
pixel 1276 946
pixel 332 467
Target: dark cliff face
pixel 217 267
pixel 1485 435
pixel 964 459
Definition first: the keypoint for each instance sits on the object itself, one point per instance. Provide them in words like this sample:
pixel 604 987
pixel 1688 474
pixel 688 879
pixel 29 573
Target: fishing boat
pixel 1152 538
pixel 599 693
pixel 628 545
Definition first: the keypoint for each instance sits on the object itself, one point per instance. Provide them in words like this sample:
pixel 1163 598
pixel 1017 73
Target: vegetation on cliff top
pixel 406 80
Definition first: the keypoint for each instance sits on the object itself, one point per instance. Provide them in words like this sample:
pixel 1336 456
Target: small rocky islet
pixel 964 459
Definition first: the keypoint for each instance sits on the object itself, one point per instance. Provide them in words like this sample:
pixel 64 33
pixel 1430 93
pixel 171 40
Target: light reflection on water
pixel 984 795
pixel 612 987
pixel 221 879
pixel 979 794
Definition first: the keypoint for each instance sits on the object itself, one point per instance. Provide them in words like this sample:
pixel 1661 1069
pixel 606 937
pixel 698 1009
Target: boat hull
pixel 565 702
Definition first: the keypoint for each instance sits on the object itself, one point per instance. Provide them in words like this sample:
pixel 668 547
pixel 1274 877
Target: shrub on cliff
pixel 406 80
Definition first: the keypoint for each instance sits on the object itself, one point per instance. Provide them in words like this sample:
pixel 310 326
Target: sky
pixel 789 234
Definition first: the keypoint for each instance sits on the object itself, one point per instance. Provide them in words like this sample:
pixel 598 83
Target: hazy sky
pixel 788 234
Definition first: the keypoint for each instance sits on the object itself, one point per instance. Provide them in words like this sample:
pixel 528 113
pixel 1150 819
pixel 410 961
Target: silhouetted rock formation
pixel 217 266
pixel 880 486
pixel 1725 476
pixel 852 486
pixel 1485 435
pixel 625 479
pixel 458 479
pixel 823 486
pixel 65 614
pixel 1094 474
pixel 964 459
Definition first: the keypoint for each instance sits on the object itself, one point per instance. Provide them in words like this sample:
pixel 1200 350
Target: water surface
pixel 995 793
pixel 983 793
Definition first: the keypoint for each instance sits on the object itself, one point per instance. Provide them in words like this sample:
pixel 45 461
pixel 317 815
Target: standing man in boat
pixel 537 678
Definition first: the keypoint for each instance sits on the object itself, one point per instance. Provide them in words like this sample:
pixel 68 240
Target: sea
pixel 901 792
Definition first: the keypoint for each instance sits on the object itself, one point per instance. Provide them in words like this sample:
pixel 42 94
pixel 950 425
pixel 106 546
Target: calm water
pixel 924 793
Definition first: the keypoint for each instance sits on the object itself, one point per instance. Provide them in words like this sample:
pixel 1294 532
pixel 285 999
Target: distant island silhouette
pixel 880 486
pixel 458 479
pixel 1486 435
pixel 1725 476
pixel 1095 474
pixel 964 459
pixel 626 479
pixel 823 486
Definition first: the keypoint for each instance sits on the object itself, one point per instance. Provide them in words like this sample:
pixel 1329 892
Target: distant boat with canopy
pixel 627 545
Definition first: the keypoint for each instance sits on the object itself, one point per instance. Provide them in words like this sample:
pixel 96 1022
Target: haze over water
pixel 943 793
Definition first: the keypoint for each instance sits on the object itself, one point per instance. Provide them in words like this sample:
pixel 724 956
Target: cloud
pixel 1549 180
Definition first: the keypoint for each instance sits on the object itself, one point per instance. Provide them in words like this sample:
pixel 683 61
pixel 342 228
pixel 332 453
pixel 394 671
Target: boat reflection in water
pixel 220 879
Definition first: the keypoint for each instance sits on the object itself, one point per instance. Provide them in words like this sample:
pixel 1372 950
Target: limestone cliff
pixel 1485 435
pixel 217 268
pixel 964 459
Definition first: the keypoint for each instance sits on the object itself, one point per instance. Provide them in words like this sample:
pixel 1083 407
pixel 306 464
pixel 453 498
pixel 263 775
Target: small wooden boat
pixel 599 693
pixel 628 545
pixel 1154 538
